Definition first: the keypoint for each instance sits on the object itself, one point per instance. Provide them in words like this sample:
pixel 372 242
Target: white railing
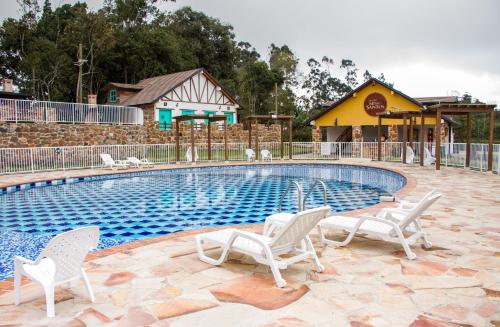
pixel 19 160
pixel 63 112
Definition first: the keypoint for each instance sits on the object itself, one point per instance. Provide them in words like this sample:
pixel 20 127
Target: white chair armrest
pixel 24 260
pixel 122 162
pixel 403 204
pixel 387 222
pixel 249 236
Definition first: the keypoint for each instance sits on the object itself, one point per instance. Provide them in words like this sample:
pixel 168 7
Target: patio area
pixel 161 282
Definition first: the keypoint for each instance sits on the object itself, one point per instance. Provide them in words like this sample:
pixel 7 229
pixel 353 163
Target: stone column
pixel 317 135
pixel 357 134
pixel 393 136
pixel 444 133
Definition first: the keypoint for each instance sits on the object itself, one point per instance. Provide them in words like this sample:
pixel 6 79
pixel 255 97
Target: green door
pixel 165 119
pixel 230 117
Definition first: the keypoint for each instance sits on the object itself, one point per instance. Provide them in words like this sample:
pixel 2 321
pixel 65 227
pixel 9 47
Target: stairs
pixel 346 135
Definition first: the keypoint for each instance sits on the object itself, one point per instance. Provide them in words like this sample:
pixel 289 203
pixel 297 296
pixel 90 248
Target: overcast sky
pixel 426 47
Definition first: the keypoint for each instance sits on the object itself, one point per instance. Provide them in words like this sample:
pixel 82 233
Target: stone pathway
pixel 161 282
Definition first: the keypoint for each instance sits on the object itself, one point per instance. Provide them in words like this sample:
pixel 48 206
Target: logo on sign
pixel 375 103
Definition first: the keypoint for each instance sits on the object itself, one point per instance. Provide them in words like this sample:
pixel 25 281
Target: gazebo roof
pixel 461 108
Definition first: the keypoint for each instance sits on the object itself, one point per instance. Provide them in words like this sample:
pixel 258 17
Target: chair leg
pixel 49 300
pixel 324 240
pixel 425 239
pixel 280 282
pixel 310 248
pixel 88 286
pixel 203 257
pixel 406 247
pixel 17 283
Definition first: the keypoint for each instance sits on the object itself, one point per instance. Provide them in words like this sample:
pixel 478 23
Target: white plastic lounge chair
pixel 390 224
pixel 410 155
pixel 266 250
pixel 140 162
pixel 408 205
pixel 110 163
pixel 59 263
pixel 428 158
pixel 266 155
pixel 250 154
pixel 189 157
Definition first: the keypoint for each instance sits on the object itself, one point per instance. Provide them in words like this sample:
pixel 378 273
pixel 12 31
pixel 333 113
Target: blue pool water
pixel 134 206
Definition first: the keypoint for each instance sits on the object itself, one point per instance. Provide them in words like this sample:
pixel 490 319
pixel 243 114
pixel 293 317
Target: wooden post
pixel 379 139
pixel 257 140
pixel 405 133
pixel 422 143
pixel 209 141
pixel 468 141
pixel 226 154
pixel 250 133
pixel 437 132
pixel 193 152
pixel 490 144
pixel 290 145
pixel 282 145
pixel 410 138
pixel 177 141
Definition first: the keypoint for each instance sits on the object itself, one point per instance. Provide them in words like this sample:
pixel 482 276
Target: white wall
pixel 333 132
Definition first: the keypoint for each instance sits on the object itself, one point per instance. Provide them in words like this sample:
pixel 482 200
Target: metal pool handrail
pixel 311 189
pixel 299 195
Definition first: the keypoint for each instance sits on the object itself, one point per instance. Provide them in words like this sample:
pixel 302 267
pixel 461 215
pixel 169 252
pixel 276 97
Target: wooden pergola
pixel 281 118
pixel 191 118
pixel 464 109
pixel 438 111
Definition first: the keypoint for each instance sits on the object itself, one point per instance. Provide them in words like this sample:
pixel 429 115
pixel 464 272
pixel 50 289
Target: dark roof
pixel 124 86
pixel 152 89
pixel 13 95
pixel 368 82
pixel 436 100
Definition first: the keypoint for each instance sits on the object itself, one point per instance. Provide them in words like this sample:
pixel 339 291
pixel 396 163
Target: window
pixel 209 113
pixel 113 96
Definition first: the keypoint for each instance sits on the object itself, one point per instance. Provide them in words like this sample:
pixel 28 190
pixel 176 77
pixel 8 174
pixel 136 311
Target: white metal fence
pixel 16 160
pixel 64 112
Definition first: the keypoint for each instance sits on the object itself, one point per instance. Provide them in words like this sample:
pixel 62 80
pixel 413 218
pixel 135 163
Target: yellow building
pixel 354 117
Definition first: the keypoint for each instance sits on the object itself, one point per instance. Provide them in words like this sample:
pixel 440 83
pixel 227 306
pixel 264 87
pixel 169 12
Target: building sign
pixel 375 103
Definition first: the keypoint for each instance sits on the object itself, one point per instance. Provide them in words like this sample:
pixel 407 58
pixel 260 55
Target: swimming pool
pixel 133 206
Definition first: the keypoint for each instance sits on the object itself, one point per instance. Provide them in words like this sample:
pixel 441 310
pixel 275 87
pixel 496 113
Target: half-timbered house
pixel 164 97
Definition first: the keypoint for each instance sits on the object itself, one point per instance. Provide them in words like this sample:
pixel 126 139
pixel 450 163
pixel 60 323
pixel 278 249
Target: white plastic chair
pixel 110 163
pixel 189 157
pixel 140 162
pixel 410 155
pixel 250 154
pixel 428 158
pixel 60 262
pixel 266 155
pixel 390 224
pixel 266 250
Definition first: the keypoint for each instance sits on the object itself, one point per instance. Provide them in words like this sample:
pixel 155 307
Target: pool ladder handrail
pixel 311 189
pixel 299 195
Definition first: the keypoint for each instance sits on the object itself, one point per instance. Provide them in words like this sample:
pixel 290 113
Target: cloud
pixel 416 43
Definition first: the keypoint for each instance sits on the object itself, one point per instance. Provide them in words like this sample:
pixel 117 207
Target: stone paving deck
pixel 160 282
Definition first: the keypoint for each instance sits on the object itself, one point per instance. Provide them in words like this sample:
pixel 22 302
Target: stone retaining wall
pixel 40 134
